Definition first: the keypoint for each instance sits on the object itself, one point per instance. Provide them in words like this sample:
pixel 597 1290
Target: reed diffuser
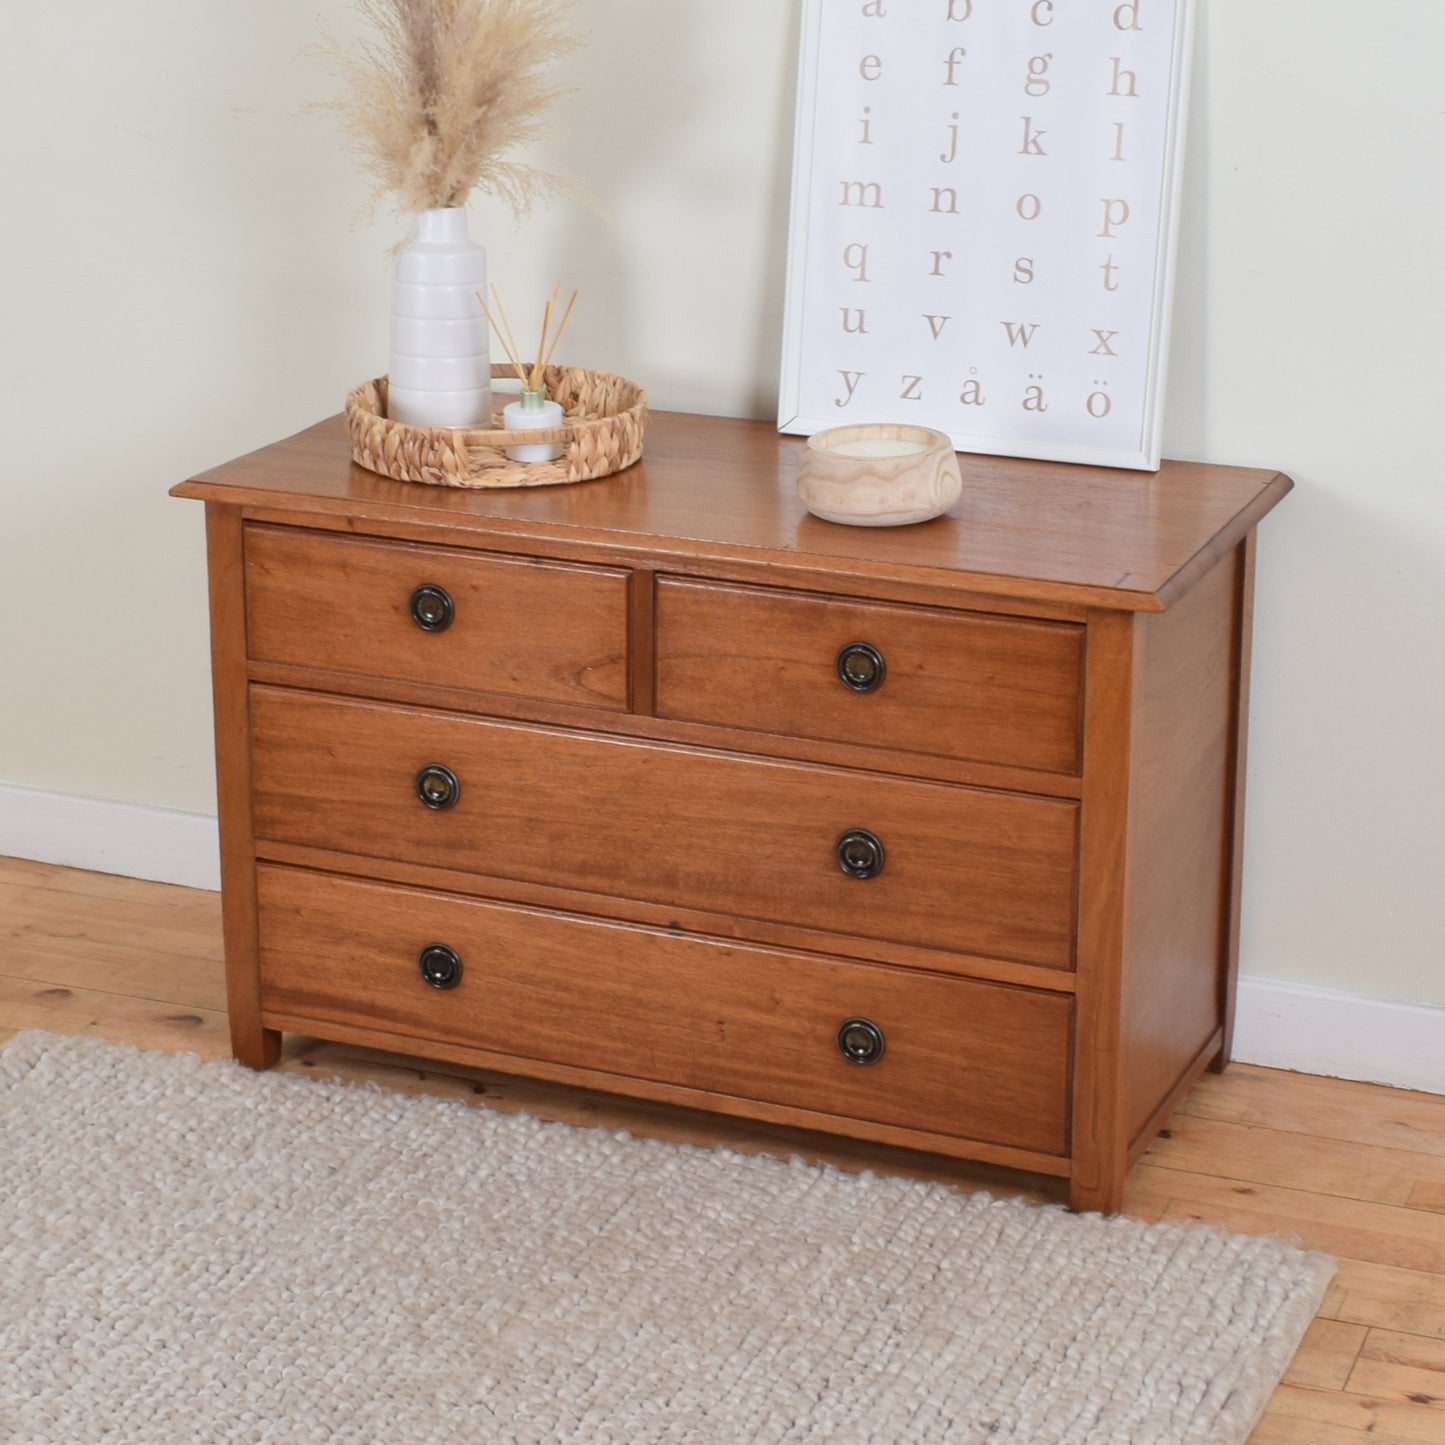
pixel 435 102
pixel 534 410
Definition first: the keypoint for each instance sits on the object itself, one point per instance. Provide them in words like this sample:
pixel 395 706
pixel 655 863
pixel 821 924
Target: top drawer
pixel 959 684
pixel 543 630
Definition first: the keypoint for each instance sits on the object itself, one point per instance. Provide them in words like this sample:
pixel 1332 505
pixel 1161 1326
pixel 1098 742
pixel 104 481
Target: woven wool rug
pixel 192 1252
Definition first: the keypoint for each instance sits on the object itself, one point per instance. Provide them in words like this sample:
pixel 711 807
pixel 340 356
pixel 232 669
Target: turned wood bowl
pixel 879 474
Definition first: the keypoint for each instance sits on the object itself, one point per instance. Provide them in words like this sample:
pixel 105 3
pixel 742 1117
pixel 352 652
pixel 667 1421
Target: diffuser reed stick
pixel 531 380
pixel 557 335
pixel 504 332
pixel 534 410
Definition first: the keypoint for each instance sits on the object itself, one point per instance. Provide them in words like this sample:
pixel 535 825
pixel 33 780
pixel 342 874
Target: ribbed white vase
pixel 440 372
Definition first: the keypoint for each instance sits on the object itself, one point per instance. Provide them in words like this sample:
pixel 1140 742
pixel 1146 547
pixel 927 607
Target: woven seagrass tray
pixel 604 418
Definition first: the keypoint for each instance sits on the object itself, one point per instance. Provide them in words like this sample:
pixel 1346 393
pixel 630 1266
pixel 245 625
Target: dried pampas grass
pixel 445 90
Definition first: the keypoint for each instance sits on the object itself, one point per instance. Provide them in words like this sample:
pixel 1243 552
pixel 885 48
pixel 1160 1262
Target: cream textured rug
pixel 192 1252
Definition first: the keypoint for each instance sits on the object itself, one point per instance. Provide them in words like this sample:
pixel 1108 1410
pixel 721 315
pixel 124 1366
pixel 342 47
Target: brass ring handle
pixel 860 1041
pixel 859 853
pixel 440 966
pixel 432 608
pixel 860 667
pixel 437 787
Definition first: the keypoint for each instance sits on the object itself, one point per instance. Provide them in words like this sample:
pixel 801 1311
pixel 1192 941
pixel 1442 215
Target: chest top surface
pixel 726 489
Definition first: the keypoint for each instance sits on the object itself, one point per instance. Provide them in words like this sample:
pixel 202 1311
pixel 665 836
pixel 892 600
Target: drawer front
pixel 961 1058
pixel 964 685
pixel 554 632
pixel 963 869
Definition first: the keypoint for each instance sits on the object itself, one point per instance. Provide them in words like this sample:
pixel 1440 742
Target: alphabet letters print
pixel 984 198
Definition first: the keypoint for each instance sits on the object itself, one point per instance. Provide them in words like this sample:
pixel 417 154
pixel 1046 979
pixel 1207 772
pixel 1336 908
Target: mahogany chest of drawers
pixel 658 785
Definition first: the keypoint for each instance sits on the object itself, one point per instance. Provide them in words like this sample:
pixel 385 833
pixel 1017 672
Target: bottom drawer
pixel 961 1058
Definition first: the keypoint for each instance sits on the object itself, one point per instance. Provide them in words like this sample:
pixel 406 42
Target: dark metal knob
pixel 437 787
pixel 432 608
pixel 440 965
pixel 861 667
pixel 860 853
pixel 860 1041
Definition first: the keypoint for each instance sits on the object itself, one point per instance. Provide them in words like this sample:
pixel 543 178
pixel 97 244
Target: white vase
pixel 440 372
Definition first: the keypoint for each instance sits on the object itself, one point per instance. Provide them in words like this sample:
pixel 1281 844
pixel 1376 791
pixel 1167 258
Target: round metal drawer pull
pixel 860 1041
pixel 438 787
pixel 432 608
pixel 860 853
pixel 440 966
pixel 861 667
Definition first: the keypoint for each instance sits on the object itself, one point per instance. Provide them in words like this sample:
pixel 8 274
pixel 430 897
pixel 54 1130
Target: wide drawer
pixel 960 1058
pixel 959 684
pixel 524 628
pixel 963 868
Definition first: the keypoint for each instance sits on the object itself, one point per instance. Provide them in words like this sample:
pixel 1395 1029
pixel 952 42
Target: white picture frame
pixel 984 222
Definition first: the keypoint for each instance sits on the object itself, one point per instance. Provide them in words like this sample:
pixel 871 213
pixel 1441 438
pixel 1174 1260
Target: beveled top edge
pixel 719 488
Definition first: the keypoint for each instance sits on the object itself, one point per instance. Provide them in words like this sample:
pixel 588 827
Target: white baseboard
pixel 1279 1025
pixel 1320 1031
pixel 137 842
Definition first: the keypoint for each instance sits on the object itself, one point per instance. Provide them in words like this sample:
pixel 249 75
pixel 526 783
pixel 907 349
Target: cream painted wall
pixel 182 279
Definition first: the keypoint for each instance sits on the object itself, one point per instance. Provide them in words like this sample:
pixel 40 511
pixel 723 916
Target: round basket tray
pixel 604 417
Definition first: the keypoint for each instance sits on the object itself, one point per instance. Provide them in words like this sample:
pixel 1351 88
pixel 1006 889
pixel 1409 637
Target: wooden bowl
pixel 879 474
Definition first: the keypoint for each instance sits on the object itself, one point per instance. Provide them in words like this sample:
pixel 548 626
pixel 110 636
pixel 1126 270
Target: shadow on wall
pixel 654 149
pixel 1330 883
pixel 768 342
pixel 293 250
pixel 1186 402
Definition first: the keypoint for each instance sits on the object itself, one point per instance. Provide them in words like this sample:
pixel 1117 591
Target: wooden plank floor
pixel 1352 1169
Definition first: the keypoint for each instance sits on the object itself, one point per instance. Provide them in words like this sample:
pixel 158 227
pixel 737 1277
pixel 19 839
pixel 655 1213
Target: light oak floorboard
pixel 1376 1233
pixel 25 872
pixel 1378 1173
pixel 1292 1430
pixel 1327 1355
pixel 1356 1170
pixel 1401 1367
pixel 56 913
pixel 1305 1415
pixel 144 1022
pixel 106 967
pixel 1427 1194
pixel 1337 1109
pixel 1409 1300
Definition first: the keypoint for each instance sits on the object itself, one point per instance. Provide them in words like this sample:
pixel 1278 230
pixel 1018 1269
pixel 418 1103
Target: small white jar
pixel 532 411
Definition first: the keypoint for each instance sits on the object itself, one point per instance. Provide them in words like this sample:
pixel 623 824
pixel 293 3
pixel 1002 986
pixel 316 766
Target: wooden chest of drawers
pixel 660 786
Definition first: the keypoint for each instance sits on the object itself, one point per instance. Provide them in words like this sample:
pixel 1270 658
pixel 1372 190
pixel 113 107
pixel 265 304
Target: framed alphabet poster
pixel 985 206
